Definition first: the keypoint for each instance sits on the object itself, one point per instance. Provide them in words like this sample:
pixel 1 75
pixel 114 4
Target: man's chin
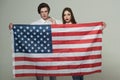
pixel 45 18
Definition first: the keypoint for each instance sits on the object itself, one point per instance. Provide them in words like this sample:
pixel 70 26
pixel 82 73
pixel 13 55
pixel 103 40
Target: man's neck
pixel 46 19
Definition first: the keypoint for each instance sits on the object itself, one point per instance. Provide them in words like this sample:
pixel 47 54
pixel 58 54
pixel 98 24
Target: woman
pixel 68 18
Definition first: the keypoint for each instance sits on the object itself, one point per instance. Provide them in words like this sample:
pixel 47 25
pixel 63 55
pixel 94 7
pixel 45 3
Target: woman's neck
pixel 69 23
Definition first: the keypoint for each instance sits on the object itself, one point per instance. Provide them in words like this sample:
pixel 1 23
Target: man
pixel 43 11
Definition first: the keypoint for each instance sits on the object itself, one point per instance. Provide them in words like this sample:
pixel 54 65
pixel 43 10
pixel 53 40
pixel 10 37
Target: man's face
pixel 44 13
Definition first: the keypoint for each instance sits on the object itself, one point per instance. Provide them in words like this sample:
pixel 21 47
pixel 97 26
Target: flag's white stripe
pixel 59 71
pixel 65 46
pixel 76 29
pixel 45 55
pixel 58 63
pixel 77 37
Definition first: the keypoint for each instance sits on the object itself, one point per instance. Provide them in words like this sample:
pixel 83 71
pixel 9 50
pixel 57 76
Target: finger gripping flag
pixel 57 50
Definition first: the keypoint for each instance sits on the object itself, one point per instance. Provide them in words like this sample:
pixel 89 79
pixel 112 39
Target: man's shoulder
pixel 58 21
pixel 41 21
pixel 37 22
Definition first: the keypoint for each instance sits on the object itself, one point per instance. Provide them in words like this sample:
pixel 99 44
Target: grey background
pixel 25 12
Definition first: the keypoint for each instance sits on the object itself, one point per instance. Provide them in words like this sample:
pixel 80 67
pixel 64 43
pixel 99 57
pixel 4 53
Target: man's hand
pixel 52 21
pixel 10 26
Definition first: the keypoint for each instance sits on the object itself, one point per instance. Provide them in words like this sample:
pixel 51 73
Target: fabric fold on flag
pixel 57 49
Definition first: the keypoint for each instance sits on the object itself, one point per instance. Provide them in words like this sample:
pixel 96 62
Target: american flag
pixel 57 49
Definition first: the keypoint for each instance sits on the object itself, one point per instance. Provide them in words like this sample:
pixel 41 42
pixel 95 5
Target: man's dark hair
pixel 42 5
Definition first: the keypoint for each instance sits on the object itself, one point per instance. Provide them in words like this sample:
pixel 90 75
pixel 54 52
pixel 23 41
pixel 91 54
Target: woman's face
pixel 67 17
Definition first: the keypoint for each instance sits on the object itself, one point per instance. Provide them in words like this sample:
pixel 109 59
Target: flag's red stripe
pixel 58 67
pixel 76 41
pixel 77 25
pixel 76 33
pixel 76 58
pixel 77 49
pixel 62 74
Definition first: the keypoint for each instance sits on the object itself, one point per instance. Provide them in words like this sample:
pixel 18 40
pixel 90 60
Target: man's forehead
pixel 44 9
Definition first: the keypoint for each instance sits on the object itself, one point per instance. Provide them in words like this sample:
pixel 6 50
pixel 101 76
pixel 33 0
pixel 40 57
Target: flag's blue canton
pixel 32 39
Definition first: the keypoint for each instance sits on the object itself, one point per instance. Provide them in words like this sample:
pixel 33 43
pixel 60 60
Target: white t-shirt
pixel 42 21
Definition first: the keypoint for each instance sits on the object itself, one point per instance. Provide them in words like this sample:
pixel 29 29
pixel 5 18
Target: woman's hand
pixel 104 25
